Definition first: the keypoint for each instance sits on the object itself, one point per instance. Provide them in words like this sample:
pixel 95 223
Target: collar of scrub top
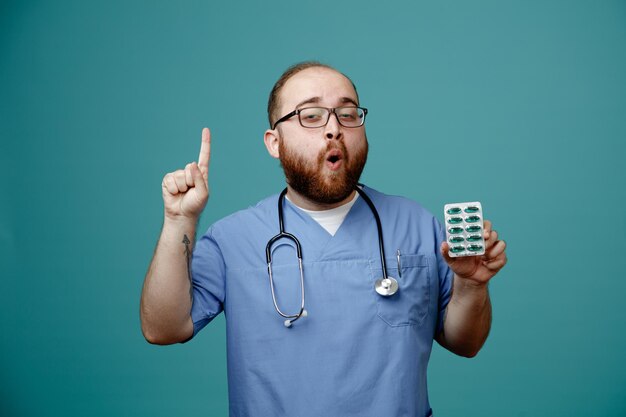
pixel 385 286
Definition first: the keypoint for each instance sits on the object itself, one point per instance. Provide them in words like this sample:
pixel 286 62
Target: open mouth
pixel 334 159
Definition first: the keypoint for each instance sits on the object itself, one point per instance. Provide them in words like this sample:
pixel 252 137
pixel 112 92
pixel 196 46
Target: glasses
pixel 313 117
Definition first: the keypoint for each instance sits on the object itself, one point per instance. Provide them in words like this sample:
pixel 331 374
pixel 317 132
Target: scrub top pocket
pixel 410 305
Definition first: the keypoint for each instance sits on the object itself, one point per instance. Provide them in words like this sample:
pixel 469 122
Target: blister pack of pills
pixel 464 228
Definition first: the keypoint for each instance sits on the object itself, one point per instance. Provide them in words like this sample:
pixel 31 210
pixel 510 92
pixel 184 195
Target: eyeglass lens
pixel 318 116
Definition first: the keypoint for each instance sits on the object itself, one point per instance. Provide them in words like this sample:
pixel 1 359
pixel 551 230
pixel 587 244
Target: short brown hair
pixel 273 102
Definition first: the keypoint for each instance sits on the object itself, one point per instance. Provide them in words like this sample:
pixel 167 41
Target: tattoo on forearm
pixel 187 242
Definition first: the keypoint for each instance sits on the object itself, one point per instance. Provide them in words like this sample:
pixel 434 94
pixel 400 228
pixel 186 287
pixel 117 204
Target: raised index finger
pixel 205 152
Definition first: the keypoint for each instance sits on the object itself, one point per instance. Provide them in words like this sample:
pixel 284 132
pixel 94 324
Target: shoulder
pixel 253 217
pixel 398 205
pixel 413 226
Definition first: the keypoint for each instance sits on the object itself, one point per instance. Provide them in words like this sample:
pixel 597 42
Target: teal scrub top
pixel 357 353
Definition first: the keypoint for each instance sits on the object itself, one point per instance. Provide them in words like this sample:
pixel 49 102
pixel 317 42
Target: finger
pixel 496 263
pixel 188 176
pixel 493 238
pixel 169 184
pixel 496 250
pixel 198 181
pixel 205 153
pixel 486 229
pixel 181 183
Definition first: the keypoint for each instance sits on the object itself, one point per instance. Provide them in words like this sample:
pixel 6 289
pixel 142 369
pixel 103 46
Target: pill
pixel 473 228
pixel 464 228
pixel 474 248
pixel 474 238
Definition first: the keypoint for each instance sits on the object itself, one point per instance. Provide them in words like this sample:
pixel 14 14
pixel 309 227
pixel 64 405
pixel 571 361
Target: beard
pixel 310 178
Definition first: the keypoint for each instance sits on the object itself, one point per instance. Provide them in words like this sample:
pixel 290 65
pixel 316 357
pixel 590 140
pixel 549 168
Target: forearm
pixel 468 318
pixel 166 297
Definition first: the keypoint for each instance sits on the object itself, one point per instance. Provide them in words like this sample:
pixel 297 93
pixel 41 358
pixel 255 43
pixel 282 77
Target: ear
pixel 271 142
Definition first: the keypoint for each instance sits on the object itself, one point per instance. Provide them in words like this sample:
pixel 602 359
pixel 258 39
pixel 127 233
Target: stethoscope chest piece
pixel 386 286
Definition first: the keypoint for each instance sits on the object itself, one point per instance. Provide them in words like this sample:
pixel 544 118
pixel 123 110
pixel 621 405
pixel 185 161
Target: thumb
pixel 445 251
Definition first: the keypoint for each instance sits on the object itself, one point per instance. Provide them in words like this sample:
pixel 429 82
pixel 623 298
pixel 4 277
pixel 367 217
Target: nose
pixel 333 130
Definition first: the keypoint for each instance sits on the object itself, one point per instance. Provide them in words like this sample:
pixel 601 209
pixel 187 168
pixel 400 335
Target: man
pixel 354 352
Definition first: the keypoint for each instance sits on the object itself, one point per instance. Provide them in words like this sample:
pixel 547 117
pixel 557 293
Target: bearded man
pixel 374 270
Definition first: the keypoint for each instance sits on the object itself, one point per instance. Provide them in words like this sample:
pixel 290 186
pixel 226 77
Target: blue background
pixel 518 104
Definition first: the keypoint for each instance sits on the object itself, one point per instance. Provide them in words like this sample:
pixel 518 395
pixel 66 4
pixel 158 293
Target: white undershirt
pixel 330 219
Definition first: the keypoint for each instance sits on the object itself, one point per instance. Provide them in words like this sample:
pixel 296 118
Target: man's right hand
pixel 186 191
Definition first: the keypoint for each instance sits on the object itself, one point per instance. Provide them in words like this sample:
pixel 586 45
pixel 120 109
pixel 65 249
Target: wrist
pixel 179 221
pixel 470 293
pixel 470 285
pixel 178 226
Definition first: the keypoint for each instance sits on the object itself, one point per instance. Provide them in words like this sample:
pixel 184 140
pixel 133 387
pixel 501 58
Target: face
pixel 321 164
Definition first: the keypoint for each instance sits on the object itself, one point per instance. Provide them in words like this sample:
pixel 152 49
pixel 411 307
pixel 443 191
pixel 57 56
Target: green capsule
pixel 456 239
pixel 474 238
pixel 473 228
pixel 455 230
pixel 472 209
pixel 457 249
pixel 474 248
pixel 454 210
pixel 455 220
pixel 472 219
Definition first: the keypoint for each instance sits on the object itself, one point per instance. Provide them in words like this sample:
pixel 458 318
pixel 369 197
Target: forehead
pixel 329 87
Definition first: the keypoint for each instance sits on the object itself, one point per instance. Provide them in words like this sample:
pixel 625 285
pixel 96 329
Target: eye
pixel 348 113
pixel 311 114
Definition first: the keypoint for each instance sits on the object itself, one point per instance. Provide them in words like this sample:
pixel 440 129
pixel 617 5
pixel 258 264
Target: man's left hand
pixel 479 269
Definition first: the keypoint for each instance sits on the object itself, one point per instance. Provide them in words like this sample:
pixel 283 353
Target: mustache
pixel 334 145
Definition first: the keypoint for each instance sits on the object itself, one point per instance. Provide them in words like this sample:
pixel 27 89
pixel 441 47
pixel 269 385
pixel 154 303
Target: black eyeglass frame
pixel 330 110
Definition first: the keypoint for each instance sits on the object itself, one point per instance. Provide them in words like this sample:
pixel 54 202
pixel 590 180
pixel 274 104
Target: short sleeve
pixel 208 275
pixel 446 276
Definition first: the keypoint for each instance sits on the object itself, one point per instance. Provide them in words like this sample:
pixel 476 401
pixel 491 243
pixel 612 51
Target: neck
pixel 307 204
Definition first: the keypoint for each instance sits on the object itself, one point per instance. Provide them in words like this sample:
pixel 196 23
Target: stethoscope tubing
pixel 268 257
pixel 284 235
pixel 381 246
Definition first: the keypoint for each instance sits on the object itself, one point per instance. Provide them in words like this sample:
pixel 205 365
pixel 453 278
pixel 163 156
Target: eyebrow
pixel 315 100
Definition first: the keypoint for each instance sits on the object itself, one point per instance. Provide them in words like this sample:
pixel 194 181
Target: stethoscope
pixel 385 286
